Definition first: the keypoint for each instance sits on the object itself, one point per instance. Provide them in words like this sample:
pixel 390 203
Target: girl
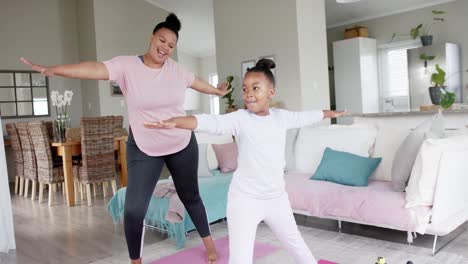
pixel 257 190
pixel 154 86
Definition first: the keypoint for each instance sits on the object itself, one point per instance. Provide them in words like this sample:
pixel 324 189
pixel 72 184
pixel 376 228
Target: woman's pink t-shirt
pixel 153 95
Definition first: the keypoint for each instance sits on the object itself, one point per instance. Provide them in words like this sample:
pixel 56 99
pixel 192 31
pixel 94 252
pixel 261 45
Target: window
pixel 214 99
pixel 23 94
pixel 393 75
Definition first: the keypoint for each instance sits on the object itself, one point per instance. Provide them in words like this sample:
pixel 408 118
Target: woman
pixel 154 86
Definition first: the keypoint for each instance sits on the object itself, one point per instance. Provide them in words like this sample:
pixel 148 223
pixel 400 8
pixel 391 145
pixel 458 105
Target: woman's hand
pixel 334 114
pixel 47 71
pixel 223 88
pixel 166 124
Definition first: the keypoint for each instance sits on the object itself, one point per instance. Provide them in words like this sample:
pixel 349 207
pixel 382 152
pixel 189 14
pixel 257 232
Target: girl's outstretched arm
pixel 214 124
pixel 184 122
pixel 334 114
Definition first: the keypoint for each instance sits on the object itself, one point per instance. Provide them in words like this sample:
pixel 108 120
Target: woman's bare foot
pixel 212 255
pixel 135 261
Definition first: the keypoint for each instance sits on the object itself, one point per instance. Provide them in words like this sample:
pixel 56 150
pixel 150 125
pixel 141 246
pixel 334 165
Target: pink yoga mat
pixel 326 262
pixel 197 255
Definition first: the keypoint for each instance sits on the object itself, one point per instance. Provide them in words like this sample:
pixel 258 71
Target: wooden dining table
pixel 71 148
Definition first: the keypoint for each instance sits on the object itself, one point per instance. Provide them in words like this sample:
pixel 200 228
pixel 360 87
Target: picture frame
pixel 245 65
pixel 115 89
pixel 271 57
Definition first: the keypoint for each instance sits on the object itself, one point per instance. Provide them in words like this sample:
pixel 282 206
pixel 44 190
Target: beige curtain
pixel 7 235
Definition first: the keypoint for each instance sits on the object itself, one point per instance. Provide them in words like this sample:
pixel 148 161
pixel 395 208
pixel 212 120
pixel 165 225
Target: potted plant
pixel 231 107
pixel 438 92
pixel 425 30
pixel 426 58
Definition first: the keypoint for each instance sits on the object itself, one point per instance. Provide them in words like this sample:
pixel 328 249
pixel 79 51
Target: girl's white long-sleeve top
pixel 261 143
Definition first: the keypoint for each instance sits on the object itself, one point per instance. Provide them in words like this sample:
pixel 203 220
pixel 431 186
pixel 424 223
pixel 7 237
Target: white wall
pixel 292 31
pixel 313 62
pixel 207 67
pixel 87 48
pixel 122 28
pixel 45 32
pixel 452 30
pixel 246 30
pixel 192 97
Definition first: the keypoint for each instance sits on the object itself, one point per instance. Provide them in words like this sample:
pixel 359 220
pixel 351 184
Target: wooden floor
pixel 60 234
pixel 83 234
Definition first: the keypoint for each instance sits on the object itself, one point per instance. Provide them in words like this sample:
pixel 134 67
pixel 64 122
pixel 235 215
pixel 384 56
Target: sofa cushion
pixel 376 204
pixel 291 137
pixel 423 180
pixel 203 169
pixel 312 141
pixel 388 140
pixel 345 168
pixel 227 156
pixel 212 139
pixel 408 150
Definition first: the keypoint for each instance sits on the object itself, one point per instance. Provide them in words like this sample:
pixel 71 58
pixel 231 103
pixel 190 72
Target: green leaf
pixel 229 78
pixel 447 99
pixel 438 79
pixel 415 31
pixel 430 57
pixel 438 12
pixel 440 71
pixel 422 56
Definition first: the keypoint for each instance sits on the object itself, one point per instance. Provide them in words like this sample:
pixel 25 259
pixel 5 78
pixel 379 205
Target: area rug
pixel 196 255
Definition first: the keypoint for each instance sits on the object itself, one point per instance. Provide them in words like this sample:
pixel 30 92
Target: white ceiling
pixel 197 36
pixel 344 14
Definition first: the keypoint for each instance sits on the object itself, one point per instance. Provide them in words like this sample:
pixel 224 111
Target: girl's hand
pixel 223 88
pixel 166 124
pixel 334 114
pixel 47 71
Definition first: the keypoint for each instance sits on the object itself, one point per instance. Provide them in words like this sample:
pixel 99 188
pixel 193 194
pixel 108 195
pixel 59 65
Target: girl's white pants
pixel 243 216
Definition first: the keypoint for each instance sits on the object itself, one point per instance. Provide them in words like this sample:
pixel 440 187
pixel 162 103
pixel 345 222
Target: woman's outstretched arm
pixel 84 70
pixel 202 86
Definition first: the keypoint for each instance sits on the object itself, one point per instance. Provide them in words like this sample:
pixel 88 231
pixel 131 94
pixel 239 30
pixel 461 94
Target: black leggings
pixel 143 174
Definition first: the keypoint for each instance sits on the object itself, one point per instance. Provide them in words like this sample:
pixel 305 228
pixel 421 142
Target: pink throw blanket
pixel 376 204
pixel 176 211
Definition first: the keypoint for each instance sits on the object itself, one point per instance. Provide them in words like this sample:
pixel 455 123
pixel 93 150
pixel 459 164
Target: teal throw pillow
pixel 345 168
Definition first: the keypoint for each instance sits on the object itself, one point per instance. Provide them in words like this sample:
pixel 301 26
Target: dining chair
pixel 97 151
pixel 18 156
pixel 49 168
pixel 29 158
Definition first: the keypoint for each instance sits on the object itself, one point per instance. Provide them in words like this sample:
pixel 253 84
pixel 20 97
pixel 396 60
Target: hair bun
pixel 266 63
pixel 173 21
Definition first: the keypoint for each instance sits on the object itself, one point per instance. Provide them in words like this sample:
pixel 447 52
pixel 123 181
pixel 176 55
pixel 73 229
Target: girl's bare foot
pixel 135 261
pixel 212 255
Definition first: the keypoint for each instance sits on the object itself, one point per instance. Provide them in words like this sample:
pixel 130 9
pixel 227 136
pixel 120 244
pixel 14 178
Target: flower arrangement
pixel 61 103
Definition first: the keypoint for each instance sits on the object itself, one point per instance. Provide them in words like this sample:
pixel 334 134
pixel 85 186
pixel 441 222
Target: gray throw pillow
pixel 406 154
pixel 291 138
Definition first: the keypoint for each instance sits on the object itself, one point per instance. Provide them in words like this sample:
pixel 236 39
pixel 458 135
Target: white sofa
pixel 447 212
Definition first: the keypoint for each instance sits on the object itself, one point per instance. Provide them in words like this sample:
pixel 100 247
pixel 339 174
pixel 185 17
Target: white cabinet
pixel 356 79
